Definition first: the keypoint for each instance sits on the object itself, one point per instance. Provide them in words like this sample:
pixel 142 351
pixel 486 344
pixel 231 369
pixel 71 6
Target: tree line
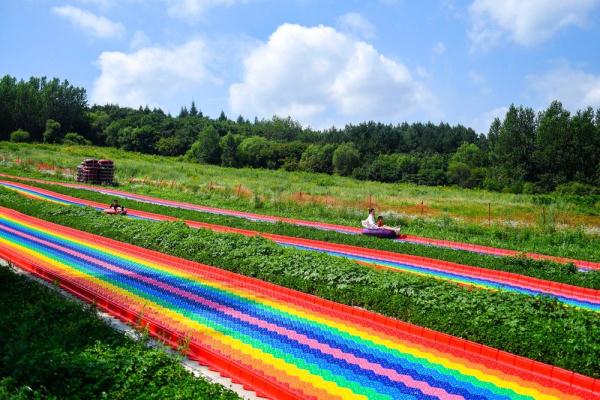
pixel 526 151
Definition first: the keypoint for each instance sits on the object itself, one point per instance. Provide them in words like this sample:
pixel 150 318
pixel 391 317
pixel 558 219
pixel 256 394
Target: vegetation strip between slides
pixel 584 298
pixel 581 264
pixel 72 351
pixel 302 345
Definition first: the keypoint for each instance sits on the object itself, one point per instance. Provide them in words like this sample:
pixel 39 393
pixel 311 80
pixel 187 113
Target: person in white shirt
pixel 370 222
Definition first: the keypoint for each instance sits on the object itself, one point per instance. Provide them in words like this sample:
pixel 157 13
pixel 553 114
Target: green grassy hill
pixel 553 224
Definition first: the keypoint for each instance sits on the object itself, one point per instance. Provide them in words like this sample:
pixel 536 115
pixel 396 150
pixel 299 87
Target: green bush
pixel 345 158
pixel 76 139
pixel 317 158
pixel 578 189
pixel 20 136
pixel 206 149
pixel 170 146
pixel 52 134
pixel 466 167
pixel 52 348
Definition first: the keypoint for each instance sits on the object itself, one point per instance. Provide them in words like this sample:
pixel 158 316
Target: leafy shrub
pixel 206 149
pixel 53 348
pixel 20 136
pixel 52 134
pixel 532 188
pixel 170 146
pixel 345 158
pixel 75 138
pixel 317 158
pixel 578 189
pixel 256 151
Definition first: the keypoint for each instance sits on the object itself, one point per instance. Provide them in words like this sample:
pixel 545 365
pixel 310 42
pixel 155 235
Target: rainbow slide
pixel 575 296
pixel 278 342
pixel 581 264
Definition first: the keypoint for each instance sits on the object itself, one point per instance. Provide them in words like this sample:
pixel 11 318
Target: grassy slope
pixel 539 269
pixel 51 347
pixel 536 327
pixel 278 192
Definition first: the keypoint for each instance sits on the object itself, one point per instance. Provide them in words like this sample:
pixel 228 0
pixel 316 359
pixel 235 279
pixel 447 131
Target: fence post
pixel 422 201
pixel 544 215
pixel 239 187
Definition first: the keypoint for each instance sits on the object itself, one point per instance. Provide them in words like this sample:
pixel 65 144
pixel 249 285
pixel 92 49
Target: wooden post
pixel 239 187
pixel 544 215
pixel 370 201
pixel 489 214
pixel 422 207
pixel 301 195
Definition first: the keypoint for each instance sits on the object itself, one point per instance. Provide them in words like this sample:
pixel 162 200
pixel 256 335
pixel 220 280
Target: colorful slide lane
pixel 584 298
pixel 312 224
pixel 281 343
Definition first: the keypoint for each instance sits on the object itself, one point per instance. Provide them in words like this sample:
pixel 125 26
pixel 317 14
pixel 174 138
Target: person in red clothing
pixel 381 225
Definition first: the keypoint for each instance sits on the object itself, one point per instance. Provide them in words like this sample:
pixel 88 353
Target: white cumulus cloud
pixel 194 8
pixel 575 88
pixel 91 23
pixel 355 23
pixel 321 76
pixel 152 75
pixel 525 22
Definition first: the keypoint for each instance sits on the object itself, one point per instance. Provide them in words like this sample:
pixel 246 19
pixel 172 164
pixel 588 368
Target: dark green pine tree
pixel 193 110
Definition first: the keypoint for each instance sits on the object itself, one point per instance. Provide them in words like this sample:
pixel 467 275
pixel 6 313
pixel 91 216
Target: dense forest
pixel 524 152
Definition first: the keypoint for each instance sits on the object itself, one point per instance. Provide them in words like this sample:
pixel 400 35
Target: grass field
pixel 520 265
pixel 559 225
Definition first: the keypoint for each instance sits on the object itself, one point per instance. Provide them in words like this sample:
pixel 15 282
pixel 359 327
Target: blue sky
pixel 322 62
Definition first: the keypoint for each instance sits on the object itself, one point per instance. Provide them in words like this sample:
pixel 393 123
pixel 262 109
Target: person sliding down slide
pixel 381 225
pixel 377 228
pixel 116 208
pixel 370 223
